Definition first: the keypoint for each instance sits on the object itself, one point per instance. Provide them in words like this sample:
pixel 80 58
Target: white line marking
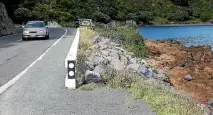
pixel 16 78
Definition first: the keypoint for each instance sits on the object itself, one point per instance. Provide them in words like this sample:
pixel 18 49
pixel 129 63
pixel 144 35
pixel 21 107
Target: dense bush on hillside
pixel 138 10
pixel 22 14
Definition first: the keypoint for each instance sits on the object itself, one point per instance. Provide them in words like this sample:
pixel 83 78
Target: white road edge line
pixel 16 78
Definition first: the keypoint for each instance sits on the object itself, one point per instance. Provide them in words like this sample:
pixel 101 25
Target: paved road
pixel 16 55
pixel 41 91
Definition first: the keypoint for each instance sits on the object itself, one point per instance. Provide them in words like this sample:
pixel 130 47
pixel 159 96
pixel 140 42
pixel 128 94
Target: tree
pixel 22 14
pixel 179 15
pixel 131 16
pixel 42 11
pixel 145 16
pixel 101 17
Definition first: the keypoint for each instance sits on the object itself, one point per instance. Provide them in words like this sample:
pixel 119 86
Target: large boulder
pixel 92 77
pixel 6 25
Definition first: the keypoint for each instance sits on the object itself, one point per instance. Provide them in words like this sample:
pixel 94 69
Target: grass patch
pixel 162 101
pixel 85 39
pixel 84 44
pixel 128 37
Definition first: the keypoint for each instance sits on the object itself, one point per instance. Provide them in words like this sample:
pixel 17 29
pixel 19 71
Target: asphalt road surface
pixel 16 55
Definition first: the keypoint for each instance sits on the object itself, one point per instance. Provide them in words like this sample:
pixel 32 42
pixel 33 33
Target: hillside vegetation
pixel 142 11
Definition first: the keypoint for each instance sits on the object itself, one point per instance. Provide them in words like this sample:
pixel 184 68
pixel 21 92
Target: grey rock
pixel 147 72
pixel 117 45
pixel 188 77
pixel 108 58
pixel 96 60
pixel 119 48
pixel 143 70
pixel 210 103
pixel 117 64
pixel 151 74
pixel 105 52
pixel 134 67
pixel 99 69
pixel 90 65
pixel 132 61
pixel 92 77
pixel 96 39
pixel 103 47
pixel 6 25
pixel 114 55
pixel 144 62
pixel 163 77
pixel 105 41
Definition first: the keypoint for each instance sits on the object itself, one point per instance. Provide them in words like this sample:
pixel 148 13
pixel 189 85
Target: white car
pixel 35 29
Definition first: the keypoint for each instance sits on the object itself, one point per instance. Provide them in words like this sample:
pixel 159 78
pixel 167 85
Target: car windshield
pixel 34 25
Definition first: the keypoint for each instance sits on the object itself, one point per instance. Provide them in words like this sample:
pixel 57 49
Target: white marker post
pixel 70 63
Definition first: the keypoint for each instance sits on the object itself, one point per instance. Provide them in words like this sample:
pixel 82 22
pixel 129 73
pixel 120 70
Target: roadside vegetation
pixel 128 37
pixel 141 11
pixel 84 44
pixel 163 101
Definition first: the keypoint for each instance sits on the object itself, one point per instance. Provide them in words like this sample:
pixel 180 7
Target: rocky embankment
pixel 6 25
pixel 105 55
pixel 185 67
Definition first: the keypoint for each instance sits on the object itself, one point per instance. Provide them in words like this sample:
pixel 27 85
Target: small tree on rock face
pixel 131 16
pixel 145 16
pixel 101 17
pixel 22 14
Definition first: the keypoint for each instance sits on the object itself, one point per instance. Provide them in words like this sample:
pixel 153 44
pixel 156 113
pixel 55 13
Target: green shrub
pixel 131 16
pixel 22 14
pixel 180 14
pixel 129 37
pixel 145 16
pixel 101 17
pixel 161 20
pixel 205 16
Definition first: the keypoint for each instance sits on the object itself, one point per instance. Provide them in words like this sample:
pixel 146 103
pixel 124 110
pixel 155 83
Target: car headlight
pixel 41 31
pixel 26 32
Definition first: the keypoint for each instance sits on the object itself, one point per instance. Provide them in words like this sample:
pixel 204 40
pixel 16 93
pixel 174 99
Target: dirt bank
pixel 180 61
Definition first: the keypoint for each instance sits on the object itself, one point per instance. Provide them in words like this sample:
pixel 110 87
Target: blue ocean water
pixel 187 35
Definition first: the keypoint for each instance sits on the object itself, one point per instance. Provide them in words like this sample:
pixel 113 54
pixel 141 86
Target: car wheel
pixel 24 39
pixel 46 37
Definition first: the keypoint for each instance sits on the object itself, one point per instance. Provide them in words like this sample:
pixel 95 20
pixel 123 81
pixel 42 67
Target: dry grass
pixel 162 101
pixel 85 36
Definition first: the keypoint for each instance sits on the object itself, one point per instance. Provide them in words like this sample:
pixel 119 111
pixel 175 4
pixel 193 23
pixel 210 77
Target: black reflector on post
pixel 71 69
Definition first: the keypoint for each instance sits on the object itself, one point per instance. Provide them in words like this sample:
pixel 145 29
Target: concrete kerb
pixel 70 63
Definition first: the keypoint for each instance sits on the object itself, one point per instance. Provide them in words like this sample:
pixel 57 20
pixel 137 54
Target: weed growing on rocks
pixel 128 37
pixel 84 44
